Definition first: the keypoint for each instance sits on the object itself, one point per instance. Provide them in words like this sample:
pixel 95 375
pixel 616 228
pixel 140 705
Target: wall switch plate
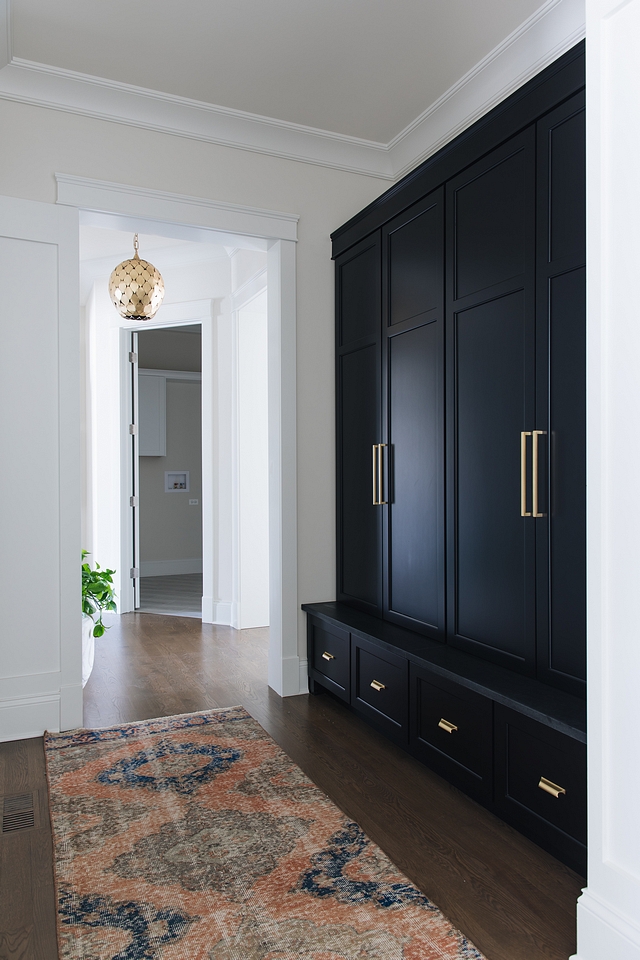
pixel 193 503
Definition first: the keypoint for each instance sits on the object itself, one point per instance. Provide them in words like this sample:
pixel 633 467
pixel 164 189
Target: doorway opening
pixel 176 492
pixel 167 535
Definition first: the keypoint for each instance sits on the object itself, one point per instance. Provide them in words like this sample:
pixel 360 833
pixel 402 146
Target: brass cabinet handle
pixel 381 447
pixel 534 473
pixel 377 686
pixel 374 471
pixel 550 787
pixel 523 473
pixel 328 656
pixel 447 725
pixel 377 469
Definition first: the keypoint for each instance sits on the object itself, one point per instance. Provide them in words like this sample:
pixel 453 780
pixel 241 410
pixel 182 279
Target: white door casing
pixel 40 609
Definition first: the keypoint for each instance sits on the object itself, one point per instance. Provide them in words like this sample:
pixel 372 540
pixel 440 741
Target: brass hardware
pixel 534 473
pixel 378 474
pixel 328 656
pixel 377 686
pixel 550 787
pixel 374 468
pixel 523 473
pixel 381 502
pixel 447 726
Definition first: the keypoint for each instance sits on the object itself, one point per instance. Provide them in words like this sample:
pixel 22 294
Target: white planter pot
pixel 88 647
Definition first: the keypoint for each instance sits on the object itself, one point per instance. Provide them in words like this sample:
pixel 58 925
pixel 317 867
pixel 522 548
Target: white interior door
pixel 40 609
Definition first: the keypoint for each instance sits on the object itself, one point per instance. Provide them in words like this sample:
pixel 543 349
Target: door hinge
pixel 134 502
pixel 133 357
pixel 134 572
pixel 133 429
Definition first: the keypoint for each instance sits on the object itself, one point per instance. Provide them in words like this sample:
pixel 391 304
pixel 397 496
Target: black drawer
pixel 541 784
pixel 451 729
pixel 379 687
pixel 329 661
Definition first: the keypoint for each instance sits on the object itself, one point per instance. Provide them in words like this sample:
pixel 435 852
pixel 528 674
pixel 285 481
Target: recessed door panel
pixel 415 547
pixel 493 566
pixel 567 491
pixel 358 295
pixel 567 187
pixel 415 266
pixel 360 520
pixel 491 224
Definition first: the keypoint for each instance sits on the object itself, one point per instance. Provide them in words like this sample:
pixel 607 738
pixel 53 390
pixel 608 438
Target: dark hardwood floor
pixel 511 898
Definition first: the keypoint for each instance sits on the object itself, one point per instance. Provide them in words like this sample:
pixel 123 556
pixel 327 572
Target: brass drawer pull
pixel 447 725
pixel 377 685
pixel 550 787
pixel 328 656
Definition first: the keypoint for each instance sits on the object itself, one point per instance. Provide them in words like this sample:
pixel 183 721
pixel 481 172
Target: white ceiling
pixel 363 68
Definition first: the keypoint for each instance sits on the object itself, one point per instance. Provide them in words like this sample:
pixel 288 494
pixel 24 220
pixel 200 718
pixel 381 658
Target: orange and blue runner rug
pixel 197 838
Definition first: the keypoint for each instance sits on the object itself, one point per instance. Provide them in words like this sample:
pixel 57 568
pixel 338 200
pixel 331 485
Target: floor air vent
pixel 18 813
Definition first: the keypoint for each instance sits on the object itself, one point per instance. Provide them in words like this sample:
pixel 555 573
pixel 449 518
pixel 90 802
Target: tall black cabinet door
pixel 413 416
pixel 561 414
pixel 358 427
pixel 491 394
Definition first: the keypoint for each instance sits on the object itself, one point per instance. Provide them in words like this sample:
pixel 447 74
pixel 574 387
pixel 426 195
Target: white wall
pixel 323 198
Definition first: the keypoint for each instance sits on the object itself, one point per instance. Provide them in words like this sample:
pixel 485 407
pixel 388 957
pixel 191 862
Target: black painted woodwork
pixel 460 329
pixel 385 708
pixel 512 729
pixel 491 394
pixel 524 752
pixel 465 755
pixel 413 407
pixel 358 427
pixel 330 657
pixel 561 395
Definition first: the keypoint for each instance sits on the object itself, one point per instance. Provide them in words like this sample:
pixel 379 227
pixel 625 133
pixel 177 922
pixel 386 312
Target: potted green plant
pixel 97 596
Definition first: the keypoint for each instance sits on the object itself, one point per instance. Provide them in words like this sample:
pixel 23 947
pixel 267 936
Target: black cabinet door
pixel 413 416
pixel 561 392
pixel 490 403
pixel 358 427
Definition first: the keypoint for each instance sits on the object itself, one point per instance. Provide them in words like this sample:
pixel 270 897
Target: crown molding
pixel 53 87
pixel 552 30
pixel 548 33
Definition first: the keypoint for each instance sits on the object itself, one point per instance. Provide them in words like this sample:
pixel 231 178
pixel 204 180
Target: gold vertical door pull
pixel 523 473
pixel 374 470
pixel 381 501
pixel 534 473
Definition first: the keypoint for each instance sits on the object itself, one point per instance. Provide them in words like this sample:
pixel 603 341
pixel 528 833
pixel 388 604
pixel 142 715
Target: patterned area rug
pixel 197 838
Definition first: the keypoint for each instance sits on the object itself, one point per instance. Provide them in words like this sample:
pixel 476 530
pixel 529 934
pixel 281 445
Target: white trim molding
pixel 552 30
pixel 102 196
pixel 5 33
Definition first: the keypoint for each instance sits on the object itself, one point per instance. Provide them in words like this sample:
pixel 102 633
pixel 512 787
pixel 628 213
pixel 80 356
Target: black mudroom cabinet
pixel 459 626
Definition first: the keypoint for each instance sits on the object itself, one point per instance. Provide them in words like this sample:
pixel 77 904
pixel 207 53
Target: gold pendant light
pixel 136 287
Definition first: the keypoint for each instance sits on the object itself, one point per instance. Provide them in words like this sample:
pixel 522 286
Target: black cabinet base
pixel 515 745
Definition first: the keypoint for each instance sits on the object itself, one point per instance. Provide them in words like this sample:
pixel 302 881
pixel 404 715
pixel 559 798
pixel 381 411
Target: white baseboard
pixel 304 676
pixel 29 717
pixel 169 568
pixel 604 933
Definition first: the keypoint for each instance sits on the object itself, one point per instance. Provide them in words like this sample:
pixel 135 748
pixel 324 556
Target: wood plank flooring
pixel 511 898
